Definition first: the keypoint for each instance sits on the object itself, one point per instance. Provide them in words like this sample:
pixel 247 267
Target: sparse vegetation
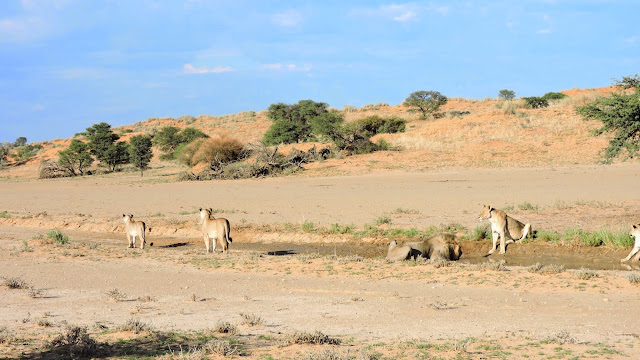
pixel 619 115
pixel 15 283
pixel 506 94
pixel 251 319
pixel 427 102
pixel 116 295
pixel 225 327
pixel 57 236
pixel 316 338
pixel 75 343
pixel 628 82
pixel 535 102
pixel 134 325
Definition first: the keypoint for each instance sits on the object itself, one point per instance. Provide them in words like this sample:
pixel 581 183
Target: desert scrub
pixel 251 319
pixel 15 283
pixel 57 236
pixel 634 278
pixel 116 295
pixel 545 269
pixel 74 343
pixel 527 206
pixel 4 215
pixel 586 274
pixel 316 338
pixel 225 327
pixel 135 325
pixel 493 266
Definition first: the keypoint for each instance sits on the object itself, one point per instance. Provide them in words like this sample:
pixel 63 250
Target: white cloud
pixel 287 67
pixel 289 18
pixel 632 39
pixel 190 69
pixel 409 15
pixel 400 12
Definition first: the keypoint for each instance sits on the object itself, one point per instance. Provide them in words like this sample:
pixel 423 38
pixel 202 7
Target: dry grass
pixel 251 319
pixel 75 343
pixel 15 283
pixel 316 338
pixel 222 348
pixel 135 325
pixel 6 336
pixel 561 338
pixel 586 274
pixel 492 265
pixel 633 278
pixel 225 327
pixel 116 295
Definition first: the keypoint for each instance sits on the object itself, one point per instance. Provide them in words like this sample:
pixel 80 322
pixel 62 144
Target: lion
pixel 634 233
pixel 216 229
pixel 441 247
pixel 135 229
pixel 504 226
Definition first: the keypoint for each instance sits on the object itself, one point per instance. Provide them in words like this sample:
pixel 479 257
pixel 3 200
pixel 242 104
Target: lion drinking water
pixel 634 233
pixel 507 228
pixel 441 247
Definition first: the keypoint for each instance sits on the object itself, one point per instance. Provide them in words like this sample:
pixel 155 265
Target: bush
pixel 50 169
pixel 535 102
pixel 216 152
pixel 506 94
pixel 373 125
pixel 76 158
pixel 76 342
pixel 58 236
pixel 628 82
pixel 299 122
pixel 553 96
pixel 25 152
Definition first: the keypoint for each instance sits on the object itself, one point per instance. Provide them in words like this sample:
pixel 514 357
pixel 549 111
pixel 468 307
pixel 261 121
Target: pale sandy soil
pixel 364 302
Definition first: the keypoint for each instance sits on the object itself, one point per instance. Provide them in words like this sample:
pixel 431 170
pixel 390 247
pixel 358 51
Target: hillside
pixel 468 134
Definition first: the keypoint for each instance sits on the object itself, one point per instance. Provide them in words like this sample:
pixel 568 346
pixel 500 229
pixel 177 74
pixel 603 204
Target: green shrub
pixel 535 102
pixel 373 125
pixel 553 96
pixel 57 236
pixel 427 102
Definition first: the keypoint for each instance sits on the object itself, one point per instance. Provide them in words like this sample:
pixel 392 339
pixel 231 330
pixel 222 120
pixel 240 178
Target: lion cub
pixel 634 233
pixel 214 229
pixel 135 228
pixel 507 228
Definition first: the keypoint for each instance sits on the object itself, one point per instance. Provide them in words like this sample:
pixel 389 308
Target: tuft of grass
pixel 633 278
pixel 338 229
pixel 15 283
pixel 6 336
pixel 225 327
pixel 251 319
pixel 4 215
pixel 545 269
pixel 44 322
pixel 316 338
pixel 383 220
pixel 562 337
pixel 135 325
pixel 116 295
pixel 57 236
pixel 35 293
pixel 75 343
pixel 586 274
pixel 480 233
pixel 405 211
pixel 307 226
pixel 222 348
pixel 527 206
pixel 493 266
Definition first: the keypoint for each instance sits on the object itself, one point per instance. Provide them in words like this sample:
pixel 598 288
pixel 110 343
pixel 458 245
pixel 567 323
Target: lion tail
pixel 228 231
pixel 526 231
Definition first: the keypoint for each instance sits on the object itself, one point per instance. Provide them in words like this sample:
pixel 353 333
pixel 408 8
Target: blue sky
pixel 68 64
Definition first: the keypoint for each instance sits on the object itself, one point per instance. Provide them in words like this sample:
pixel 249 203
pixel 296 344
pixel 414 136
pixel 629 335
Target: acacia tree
pixel 506 94
pixel 76 158
pixel 140 152
pixel 299 122
pixel 104 146
pixel 427 102
pixel 620 117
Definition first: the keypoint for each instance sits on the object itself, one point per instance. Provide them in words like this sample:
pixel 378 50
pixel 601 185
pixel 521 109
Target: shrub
pixel 25 152
pixel 57 236
pixel 373 125
pixel 140 152
pixel 298 122
pixel 628 82
pixel 251 319
pixel 535 102
pixel 134 325
pixel 76 342
pixel 50 169
pixel 553 96
pixel 216 151
pixel 225 327
pixel 506 94
pixel 317 338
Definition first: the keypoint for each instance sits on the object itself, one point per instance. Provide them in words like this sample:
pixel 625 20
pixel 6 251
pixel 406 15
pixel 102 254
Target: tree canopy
pixel 426 102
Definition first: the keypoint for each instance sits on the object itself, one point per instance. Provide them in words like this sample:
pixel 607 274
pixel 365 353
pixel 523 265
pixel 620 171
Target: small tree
pixel 628 82
pixel 506 94
pixel 620 116
pixel 140 152
pixel 116 154
pixel 20 141
pixel 104 146
pixel 76 158
pixel 427 102
pixel 167 139
pixel 4 151
pixel 189 134
pixel 299 122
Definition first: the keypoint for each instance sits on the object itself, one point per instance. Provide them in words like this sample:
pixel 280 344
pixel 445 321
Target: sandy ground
pixel 362 301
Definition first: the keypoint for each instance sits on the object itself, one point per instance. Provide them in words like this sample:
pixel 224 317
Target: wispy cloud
pixel 400 12
pixel 287 67
pixel 549 25
pixel 631 40
pixel 289 18
pixel 190 69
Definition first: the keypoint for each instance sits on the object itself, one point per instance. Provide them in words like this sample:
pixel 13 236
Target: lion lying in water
pixel 441 247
